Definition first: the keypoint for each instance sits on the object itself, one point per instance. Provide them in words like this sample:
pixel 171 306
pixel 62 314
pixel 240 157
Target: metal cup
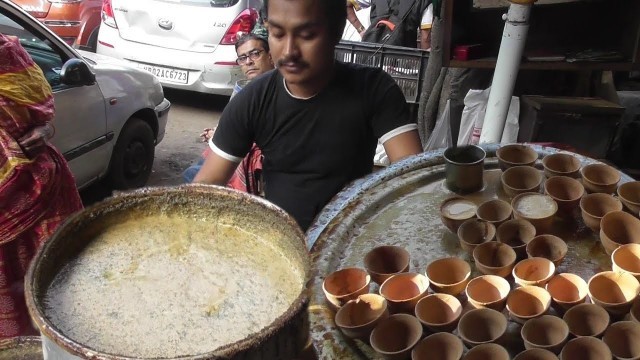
pixel 464 167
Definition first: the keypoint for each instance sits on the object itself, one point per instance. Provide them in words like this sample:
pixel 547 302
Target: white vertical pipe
pixel 506 72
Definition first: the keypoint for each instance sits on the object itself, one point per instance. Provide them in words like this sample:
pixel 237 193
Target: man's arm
pixel 216 170
pixel 425 39
pixel 403 145
pixel 425 28
pixel 352 6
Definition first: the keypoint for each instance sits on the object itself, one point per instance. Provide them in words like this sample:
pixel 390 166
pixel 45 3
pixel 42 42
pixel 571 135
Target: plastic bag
pixel 441 136
pixel 475 107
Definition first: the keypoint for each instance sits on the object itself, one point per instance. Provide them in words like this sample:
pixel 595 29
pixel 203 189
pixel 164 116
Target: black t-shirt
pixel 313 147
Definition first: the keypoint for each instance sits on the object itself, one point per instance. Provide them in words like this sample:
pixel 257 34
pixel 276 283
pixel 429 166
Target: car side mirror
pixel 77 72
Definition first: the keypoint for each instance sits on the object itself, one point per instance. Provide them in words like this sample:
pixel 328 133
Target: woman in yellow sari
pixel 37 189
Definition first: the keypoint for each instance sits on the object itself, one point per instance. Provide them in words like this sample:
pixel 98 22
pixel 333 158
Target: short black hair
pixel 248 37
pixel 335 12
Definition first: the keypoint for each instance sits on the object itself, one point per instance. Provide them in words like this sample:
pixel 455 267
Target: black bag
pixel 406 15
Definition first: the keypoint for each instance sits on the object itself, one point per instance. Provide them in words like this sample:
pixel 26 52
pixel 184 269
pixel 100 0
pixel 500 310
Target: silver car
pixel 187 44
pixel 109 116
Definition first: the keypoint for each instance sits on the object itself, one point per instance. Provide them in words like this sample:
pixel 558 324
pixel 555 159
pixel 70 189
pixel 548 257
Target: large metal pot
pixel 282 339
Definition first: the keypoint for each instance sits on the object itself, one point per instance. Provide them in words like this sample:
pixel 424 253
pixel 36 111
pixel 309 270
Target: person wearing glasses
pixel 254 60
pixel 317 120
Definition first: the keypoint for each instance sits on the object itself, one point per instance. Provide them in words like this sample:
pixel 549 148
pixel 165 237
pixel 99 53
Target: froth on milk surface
pixel 535 206
pixel 459 209
pixel 163 286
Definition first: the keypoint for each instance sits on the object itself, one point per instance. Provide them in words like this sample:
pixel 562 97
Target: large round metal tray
pixel 400 206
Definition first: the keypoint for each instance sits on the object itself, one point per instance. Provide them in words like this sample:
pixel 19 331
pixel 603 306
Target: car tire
pixel 132 158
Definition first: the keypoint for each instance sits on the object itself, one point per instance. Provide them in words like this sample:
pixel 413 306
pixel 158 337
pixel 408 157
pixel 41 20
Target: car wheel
pixel 132 157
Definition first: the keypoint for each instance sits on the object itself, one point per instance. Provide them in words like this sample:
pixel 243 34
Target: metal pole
pixel 504 78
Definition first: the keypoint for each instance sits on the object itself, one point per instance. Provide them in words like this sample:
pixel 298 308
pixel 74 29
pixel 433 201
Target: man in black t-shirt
pixel 316 120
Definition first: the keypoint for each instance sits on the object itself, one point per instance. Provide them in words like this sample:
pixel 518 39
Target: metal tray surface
pixel 400 206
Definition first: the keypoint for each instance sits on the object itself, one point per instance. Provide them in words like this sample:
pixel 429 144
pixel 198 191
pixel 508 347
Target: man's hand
pixel 207 134
pixel 35 140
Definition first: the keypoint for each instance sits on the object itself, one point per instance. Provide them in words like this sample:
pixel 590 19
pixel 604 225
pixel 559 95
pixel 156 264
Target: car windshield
pixel 212 3
pixel 28 41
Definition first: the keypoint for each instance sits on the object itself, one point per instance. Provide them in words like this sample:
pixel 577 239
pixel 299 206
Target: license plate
pixel 167 74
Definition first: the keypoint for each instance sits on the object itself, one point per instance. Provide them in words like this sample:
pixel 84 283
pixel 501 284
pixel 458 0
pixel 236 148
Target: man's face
pixel 300 41
pixel 254 67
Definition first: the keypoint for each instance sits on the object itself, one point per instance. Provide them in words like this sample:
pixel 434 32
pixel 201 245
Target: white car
pixel 109 116
pixel 187 44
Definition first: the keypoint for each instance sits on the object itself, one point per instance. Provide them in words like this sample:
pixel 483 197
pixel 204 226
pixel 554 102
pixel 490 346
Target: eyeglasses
pixel 253 55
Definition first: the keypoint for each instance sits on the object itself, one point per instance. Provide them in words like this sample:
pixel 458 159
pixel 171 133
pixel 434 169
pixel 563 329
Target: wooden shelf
pixel 548 65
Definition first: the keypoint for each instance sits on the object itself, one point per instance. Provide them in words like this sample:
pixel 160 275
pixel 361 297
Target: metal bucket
pixel 282 339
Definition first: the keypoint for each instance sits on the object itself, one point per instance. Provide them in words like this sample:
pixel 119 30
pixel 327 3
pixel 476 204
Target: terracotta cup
pixel 623 339
pixel 403 291
pixel 587 320
pixel 546 332
pixel 528 302
pixel 464 168
pixel 516 233
pixel 382 262
pixel 626 258
pixel 344 285
pixel 561 165
pixel 448 275
pixel 619 228
pixel 456 210
pixel 585 348
pixel 439 346
pixel 488 291
pixel 635 310
pixel 475 232
pixel 536 271
pixel 549 247
pixel 567 290
pixel 536 208
pixel 521 179
pixel 494 258
pixel 566 191
pixel 357 318
pixel 487 352
pixel 396 336
pixel 439 312
pixel 614 291
pixel 515 155
pixel 600 178
pixel 629 194
pixel 481 326
pixel 536 354
pixel 594 206
pixel 495 211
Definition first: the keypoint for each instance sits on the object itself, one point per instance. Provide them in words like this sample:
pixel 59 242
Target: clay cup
pixel 395 336
pixel 536 354
pixel 623 339
pixel 481 326
pixel 566 191
pixel 448 275
pixel 495 211
pixel 439 312
pixel 626 258
pixel 629 194
pixel 344 285
pixel 515 155
pixel 439 346
pixel 487 352
pixel 549 247
pixel 546 332
pixel 488 291
pixel 536 271
pixel 403 291
pixel 357 318
pixel 585 348
pixel 521 179
pixel 524 209
pixel 494 258
pixel 567 290
pixel 561 165
pixel 587 320
pixel 385 261
pixel 456 210
pixel 528 302
pixel 614 291
pixel 594 206
pixel 618 228
pixel 475 232
pixel 600 178
pixel 516 233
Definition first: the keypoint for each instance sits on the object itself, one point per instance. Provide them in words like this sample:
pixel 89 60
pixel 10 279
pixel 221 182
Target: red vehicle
pixel 75 21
